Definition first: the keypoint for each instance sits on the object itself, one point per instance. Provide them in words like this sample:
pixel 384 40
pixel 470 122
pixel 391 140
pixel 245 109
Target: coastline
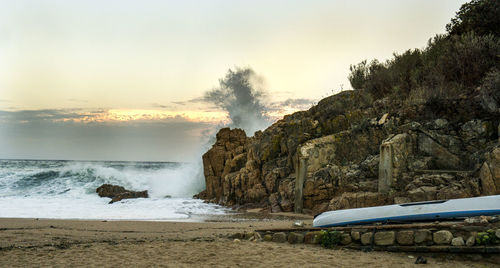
pixel 43 242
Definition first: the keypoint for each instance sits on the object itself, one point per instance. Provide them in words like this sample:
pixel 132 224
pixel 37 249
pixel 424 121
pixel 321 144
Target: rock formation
pixel 117 193
pixel 350 151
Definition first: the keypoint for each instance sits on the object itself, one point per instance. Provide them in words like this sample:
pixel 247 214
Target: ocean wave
pixel 66 189
pixel 72 177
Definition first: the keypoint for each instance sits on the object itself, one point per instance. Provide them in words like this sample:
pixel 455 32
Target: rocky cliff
pixel 351 151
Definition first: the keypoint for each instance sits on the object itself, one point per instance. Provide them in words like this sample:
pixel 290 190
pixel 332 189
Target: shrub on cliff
pixel 478 16
pixel 459 61
pixel 359 74
pixel 448 64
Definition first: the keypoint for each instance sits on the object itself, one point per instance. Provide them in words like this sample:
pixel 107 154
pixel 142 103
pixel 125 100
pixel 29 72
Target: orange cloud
pixel 123 115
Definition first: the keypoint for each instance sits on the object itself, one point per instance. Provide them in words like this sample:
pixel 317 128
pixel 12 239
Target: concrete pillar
pixel 394 154
pixel 299 184
pixel 385 168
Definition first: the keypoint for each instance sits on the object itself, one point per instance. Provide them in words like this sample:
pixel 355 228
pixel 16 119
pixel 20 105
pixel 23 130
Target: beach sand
pixel 68 243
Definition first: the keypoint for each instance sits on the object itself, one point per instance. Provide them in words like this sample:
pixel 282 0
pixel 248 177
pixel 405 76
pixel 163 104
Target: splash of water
pixel 240 94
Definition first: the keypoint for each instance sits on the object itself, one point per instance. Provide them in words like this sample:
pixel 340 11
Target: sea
pixel 60 189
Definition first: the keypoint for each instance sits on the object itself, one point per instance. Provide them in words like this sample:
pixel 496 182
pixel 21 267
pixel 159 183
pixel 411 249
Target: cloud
pixel 299 103
pixel 138 141
pixel 100 134
pixel 156 105
pixel 40 115
pixel 180 102
pixel 112 116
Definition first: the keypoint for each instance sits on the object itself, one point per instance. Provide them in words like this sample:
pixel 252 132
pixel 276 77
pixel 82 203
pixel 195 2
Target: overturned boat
pixel 419 211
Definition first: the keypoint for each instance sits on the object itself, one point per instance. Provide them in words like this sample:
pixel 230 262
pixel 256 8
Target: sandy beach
pixel 68 243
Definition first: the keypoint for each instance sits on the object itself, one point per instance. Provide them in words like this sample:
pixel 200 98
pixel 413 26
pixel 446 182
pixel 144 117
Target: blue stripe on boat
pixel 428 216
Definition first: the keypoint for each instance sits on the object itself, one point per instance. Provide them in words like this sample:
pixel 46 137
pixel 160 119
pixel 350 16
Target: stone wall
pixel 435 237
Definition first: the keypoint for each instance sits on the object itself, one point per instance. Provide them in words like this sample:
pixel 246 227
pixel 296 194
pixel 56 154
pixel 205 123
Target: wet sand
pixel 66 243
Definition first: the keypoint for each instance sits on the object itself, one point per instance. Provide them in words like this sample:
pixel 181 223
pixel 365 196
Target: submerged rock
pixel 109 190
pixel 117 193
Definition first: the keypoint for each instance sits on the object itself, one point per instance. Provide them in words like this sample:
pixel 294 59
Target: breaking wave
pixel 66 189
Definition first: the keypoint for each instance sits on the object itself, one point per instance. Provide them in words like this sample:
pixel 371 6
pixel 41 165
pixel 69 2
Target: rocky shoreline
pixel 351 151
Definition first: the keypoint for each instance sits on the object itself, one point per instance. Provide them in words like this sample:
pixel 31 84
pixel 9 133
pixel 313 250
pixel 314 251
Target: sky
pixel 117 79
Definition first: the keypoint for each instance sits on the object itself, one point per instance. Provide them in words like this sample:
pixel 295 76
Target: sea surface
pixel 58 189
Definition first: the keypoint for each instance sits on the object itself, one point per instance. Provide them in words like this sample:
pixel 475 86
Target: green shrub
pixel 487 238
pixel 359 75
pixel 450 64
pixel 329 239
pixel 446 67
pixel 459 60
pixel 406 71
pixel 479 16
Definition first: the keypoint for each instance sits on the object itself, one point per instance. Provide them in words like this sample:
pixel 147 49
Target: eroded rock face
pixel 226 156
pixel 349 151
pixel 490 172
pixel 117 193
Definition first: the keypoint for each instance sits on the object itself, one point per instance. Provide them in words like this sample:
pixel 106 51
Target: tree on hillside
pixel 479 16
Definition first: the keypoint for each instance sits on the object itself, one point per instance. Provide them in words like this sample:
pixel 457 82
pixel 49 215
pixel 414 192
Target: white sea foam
pixel 66 190
pixel 98 208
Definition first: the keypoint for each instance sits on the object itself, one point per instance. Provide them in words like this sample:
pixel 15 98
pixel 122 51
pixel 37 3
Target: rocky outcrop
pixel 117 193
pixel 490 172
pixel 349 151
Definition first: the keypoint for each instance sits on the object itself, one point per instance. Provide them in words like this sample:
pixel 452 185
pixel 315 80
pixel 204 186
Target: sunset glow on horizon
pixel 124 115
pixel 74 70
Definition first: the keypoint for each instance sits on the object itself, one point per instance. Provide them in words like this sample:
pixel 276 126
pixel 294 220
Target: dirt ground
pixel 66 243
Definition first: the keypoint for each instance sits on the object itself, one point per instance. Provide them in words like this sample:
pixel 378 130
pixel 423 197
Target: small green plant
pixel 487 238
pixel 329 239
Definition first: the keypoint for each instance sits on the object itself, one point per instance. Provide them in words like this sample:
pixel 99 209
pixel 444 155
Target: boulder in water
pixel 129 194
pixel 117 193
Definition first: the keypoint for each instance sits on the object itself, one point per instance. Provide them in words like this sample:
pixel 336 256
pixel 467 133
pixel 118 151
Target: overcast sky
pixel 115 80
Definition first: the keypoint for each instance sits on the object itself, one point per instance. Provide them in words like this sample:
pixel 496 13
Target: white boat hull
pixel 431 210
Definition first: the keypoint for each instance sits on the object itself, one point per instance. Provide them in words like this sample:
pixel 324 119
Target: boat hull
pixel 421 211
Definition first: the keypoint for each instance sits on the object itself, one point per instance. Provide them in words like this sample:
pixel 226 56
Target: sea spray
pixel 240 93
pixel 66 189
